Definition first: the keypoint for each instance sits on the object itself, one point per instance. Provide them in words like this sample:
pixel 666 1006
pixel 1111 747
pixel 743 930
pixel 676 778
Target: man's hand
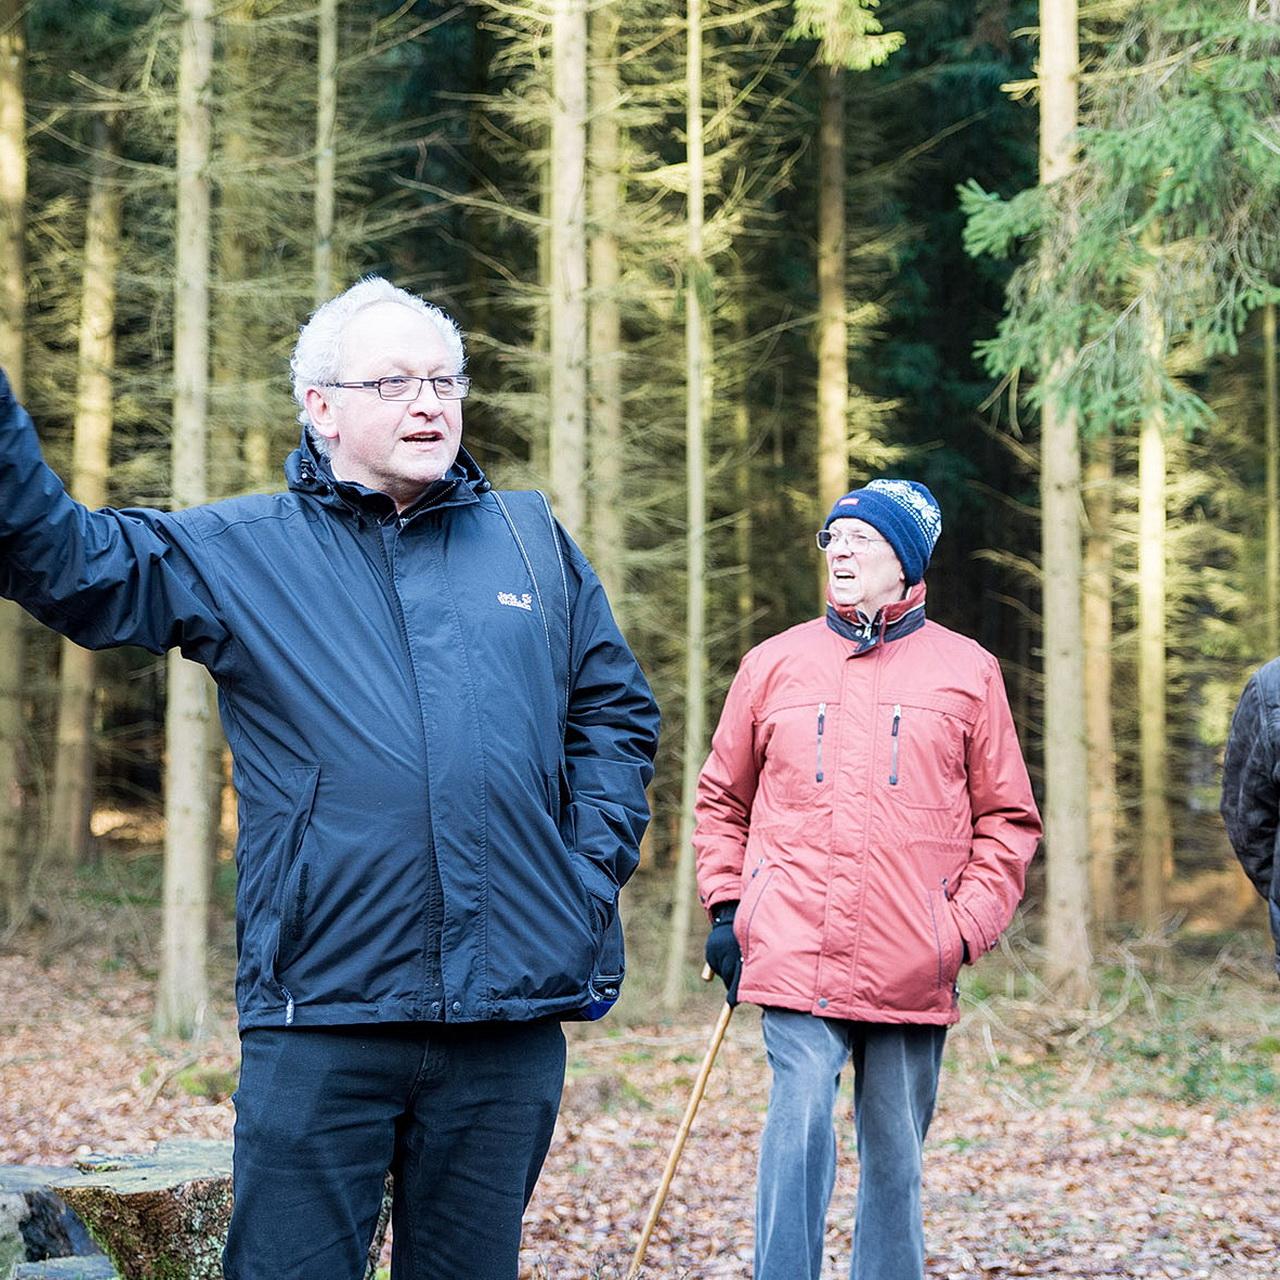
pixel 724 955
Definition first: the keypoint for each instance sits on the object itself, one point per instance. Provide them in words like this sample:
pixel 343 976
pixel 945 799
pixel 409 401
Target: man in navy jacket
pixel 441 747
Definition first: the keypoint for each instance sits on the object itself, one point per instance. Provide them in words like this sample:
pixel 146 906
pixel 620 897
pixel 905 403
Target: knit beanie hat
pixel 905 512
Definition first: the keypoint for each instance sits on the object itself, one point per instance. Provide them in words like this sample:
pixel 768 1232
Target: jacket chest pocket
pixel 799 750
pixel 920 754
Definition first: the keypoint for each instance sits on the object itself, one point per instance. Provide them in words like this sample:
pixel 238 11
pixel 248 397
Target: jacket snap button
pixel 435 1006
pixel 822 1004
pixel 456 1006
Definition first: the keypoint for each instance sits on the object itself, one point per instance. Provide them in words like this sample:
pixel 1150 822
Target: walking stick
pixel 677 1147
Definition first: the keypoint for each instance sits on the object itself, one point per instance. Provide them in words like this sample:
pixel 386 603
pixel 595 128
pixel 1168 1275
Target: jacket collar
pixel 894 621
pixel 308 471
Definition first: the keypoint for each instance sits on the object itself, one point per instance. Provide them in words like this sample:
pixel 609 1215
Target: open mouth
pixel 423 437
pixel 844 575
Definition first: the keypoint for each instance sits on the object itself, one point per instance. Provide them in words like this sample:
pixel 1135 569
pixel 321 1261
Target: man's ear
pixel 320 410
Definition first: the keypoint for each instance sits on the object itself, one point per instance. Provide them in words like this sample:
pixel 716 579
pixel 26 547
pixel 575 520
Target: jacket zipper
pixel 435 974
pixel 822 724
pixel 897 725
pixel 288 1005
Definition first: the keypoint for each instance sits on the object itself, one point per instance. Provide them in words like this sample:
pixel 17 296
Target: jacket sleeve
pixel 611 737
pixel 1250 795
pixel 100 577
pixel 1006 824
pixel 726 792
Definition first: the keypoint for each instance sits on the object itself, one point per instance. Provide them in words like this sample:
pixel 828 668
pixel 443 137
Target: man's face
pixel 866 579
pixel 398 447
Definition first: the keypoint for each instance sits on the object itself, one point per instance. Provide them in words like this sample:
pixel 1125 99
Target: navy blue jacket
pixel 1251 787
pixel 418 839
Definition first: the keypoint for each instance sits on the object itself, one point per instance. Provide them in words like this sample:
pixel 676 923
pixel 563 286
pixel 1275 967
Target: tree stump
pixel 162 1216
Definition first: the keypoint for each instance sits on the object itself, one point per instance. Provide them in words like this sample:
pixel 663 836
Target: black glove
pixel 724 955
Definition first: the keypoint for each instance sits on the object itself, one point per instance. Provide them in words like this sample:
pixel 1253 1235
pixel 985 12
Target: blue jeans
pixel 461 1115
pixel 895 1083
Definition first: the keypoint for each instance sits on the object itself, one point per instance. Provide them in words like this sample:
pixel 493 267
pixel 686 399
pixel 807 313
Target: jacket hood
pixel 307 470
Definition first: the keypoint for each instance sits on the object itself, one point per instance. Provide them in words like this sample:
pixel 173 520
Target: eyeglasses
pixel 858 543
pixel 452 386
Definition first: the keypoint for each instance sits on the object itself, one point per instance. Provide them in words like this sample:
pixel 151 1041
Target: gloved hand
pixel 724 955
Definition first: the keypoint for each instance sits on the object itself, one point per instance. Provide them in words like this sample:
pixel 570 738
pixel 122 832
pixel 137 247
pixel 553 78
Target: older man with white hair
pixel 441 748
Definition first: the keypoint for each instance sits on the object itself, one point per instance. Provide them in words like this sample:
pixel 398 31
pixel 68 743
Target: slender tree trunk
pixel 1067 955
pixel 326 159
pixel 1272 590
pixel 608 506
pixel 183 981
pixel 1156 843
pixel 13 299
pixel 746 602
pixel 567 265
pixel 697 401
pixel 833 329
pixel 72 803
pixel 1098 578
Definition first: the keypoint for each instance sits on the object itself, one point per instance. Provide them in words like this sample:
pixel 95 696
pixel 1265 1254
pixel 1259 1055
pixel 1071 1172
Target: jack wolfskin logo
pixel 524 601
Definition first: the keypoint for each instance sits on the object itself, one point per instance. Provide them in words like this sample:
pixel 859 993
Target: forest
pixel 716 263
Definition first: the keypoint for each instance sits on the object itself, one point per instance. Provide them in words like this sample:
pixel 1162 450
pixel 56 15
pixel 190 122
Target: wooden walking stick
pixel 677 1147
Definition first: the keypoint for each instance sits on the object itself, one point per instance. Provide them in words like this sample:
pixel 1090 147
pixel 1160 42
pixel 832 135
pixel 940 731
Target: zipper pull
pixel 288 1007
pixel 897 723
pixel 822 724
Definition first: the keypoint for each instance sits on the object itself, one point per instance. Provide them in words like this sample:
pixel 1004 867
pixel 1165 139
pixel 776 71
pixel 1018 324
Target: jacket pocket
pixel 293 886
pixel 799 751
pixel 921 756
pixel 947 940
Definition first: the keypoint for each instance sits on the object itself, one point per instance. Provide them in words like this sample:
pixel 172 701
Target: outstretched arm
pixel 100 577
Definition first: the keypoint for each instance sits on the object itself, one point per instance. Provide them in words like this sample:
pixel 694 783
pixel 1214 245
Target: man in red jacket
pixel 864 824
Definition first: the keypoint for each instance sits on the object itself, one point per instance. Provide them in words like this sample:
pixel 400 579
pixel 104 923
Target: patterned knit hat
pixel 905 512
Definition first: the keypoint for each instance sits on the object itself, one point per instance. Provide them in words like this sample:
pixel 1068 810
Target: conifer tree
pixel 183 967
pixel 13 197
pixel 1150 258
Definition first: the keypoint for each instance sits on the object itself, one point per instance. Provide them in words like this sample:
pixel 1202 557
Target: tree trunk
pixel 567 264
pixel 326 134
pixel 183 981
pixel 746 600
pixel 697 402
pixel 1156 838
pixel 1272 454
pixel 13 297
pixel 833 329
pixel 608 504
pixel 1067 955
pixel 1099 731
pixel 72 803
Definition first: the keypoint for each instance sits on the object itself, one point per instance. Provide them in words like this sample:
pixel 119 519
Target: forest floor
pixel 1138 1138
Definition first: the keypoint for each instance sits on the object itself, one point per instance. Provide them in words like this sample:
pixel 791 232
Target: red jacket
pixel 871 812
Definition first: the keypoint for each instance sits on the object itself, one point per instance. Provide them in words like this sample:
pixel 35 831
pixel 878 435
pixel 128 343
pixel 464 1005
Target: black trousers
pixel 461 1115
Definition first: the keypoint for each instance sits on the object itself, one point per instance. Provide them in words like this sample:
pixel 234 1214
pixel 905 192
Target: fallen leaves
pixel 1136 1151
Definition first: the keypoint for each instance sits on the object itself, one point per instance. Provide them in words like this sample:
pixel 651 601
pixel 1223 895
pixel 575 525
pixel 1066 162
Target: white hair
pixel 317 355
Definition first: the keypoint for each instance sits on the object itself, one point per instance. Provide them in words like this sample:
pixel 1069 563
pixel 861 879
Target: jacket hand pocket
pixel 289 903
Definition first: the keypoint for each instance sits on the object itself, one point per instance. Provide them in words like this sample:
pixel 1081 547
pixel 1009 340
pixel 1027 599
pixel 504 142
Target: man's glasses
pixel 856 542
pixel 452 386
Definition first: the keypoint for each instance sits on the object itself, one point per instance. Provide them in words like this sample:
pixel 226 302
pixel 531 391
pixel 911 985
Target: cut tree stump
pixel 164 1216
